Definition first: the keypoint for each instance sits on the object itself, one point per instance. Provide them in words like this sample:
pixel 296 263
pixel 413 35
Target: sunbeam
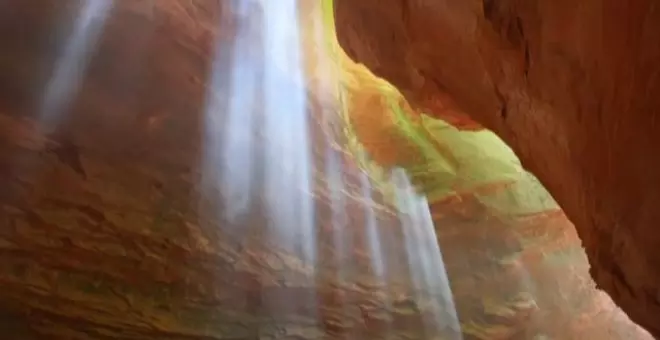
pixel 426 266
pixel 72 62
pixel 372 229
pixel 258 155
pixel 236 144
pixel 336 186
pixel 286 127
pixel 265 169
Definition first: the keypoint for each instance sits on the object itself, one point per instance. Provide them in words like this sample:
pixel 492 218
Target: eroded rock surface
pixel 108 229
pixel 571 86
pixel 108 232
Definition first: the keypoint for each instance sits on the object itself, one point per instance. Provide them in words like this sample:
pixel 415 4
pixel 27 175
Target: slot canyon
pixel 328 169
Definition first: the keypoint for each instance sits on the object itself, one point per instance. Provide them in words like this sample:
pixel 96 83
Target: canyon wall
pixel 109 228
pixel 570 86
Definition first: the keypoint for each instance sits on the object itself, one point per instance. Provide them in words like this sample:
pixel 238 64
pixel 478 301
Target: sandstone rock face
pixel 571 86
pixel 110 222
pixel 111 226
pixel 516 266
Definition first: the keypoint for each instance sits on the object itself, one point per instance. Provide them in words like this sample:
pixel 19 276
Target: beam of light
pixel 404 195
pixel 375 243
pixel 437 278
pixel 257 152
pixel 339 223
pixel 288 185
pixel 72 62
pixel 339 217
pixel 266 75
pixel 230 116
pixel 288 177
pixel 426 265
pixel 372 229
pixel 265 88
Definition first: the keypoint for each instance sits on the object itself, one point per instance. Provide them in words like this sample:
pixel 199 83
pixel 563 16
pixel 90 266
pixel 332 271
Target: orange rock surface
pixel 570 86
pixel 108 232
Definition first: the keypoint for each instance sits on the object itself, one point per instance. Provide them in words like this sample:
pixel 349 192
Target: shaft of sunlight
pixel 239 140
pixel 372 229
pixel 426 266
pixel 404 194
pixel 258 155
pixel 339 220
pixel 286 127
pixel 71 63
pixel 439 281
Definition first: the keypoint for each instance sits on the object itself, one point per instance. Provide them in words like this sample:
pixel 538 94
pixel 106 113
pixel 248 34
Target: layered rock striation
pixel 570 86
